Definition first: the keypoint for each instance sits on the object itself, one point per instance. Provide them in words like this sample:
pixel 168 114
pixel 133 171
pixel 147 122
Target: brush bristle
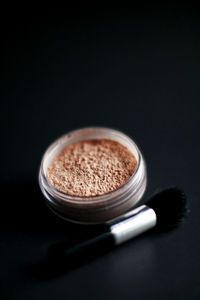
pixel 171 208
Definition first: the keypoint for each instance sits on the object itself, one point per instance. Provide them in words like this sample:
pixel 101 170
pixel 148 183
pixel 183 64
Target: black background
pixel 135 69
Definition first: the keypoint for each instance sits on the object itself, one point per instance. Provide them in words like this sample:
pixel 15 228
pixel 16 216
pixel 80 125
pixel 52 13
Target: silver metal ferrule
pixel 138 221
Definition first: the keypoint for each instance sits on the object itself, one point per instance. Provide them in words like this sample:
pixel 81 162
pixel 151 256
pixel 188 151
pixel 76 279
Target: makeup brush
pixel 164 211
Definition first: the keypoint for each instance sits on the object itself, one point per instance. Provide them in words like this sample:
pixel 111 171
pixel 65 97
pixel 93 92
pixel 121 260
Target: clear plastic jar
pixel 94 209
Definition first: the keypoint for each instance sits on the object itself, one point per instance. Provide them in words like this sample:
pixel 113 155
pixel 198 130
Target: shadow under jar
pixel 93 209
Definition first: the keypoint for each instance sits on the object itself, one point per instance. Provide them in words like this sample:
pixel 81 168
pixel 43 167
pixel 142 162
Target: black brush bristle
pixel 171 208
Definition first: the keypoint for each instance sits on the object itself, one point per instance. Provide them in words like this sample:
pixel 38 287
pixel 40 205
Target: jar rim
pixel 87 200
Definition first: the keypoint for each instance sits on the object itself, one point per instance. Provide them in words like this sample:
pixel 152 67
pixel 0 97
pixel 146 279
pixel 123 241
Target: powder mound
pixel 91 168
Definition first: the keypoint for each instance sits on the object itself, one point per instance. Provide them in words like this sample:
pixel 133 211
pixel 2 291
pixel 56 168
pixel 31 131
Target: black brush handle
pixel 84 249
pixel 81 250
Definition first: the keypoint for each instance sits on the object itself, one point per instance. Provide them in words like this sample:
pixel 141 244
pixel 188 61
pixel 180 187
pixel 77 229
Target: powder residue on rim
pixel 91 168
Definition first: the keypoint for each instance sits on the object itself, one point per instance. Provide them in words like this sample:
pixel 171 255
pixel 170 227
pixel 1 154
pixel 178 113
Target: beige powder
pixel 91 168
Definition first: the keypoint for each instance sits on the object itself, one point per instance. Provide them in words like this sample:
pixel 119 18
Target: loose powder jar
pixel 92 175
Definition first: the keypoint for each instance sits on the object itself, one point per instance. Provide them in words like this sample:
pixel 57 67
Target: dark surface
pixel 134 69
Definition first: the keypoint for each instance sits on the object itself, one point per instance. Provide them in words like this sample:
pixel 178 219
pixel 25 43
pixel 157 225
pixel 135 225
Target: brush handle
pixel 119 231
pixel 81 250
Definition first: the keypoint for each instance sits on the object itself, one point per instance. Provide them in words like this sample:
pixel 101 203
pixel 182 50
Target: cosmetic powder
pixel 91 167
pixel 92 175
